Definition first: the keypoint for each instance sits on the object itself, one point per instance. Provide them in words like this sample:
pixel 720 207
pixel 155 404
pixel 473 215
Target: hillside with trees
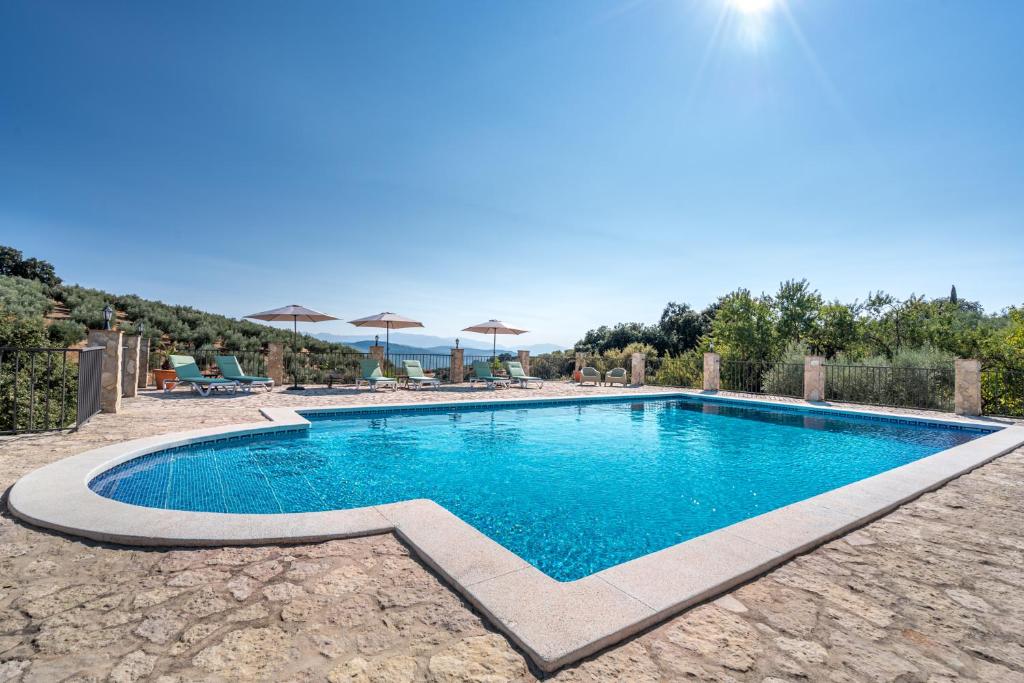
pixel 38 309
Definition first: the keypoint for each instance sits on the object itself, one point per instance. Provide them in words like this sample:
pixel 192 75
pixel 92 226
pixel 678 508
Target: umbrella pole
pixel 295 349
pixel 494 347
pixel 387 343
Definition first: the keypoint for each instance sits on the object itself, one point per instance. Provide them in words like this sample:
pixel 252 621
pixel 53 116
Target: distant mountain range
pixel 403 342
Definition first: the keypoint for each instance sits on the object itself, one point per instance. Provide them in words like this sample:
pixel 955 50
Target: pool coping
pixel 555 623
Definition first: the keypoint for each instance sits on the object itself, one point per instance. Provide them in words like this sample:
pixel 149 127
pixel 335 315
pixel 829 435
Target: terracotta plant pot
pixel 161 376
pixel 577 376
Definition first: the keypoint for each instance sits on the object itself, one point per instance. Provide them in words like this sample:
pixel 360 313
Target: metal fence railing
pixel 1002 391
pixel 666 371
pixel 762 377
pixel 904 387
pixel 434 364
pixel 327 367
pixel 44 389
pixel 90 384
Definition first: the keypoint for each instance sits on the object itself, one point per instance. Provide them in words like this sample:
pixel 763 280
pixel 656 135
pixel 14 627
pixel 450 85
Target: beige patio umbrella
pixel 389 321
pixel 295 313
pixel 494 327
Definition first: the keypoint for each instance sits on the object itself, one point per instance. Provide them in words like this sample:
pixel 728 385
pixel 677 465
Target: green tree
pixel 797 306
pixel 744 327
pixel 682 327
pixel 834 330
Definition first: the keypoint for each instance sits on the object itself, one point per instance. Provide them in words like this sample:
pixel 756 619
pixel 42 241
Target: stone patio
pixel 932 592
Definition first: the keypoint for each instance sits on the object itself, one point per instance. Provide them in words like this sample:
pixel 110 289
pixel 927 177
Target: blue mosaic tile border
pixel 698 398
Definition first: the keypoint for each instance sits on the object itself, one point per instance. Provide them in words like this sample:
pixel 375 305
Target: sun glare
pixel 752 6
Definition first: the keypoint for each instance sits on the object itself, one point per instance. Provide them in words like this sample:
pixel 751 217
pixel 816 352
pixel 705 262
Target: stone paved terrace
pixel 932 592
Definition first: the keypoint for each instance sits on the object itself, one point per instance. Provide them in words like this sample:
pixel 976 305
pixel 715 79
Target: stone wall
pixel 110 377
pixel 131 365
pixel 275 362
pixel 712 371
pixel 638 368
pixel 814 378
pixel 967 390
pixel 524 360
pixel 458 366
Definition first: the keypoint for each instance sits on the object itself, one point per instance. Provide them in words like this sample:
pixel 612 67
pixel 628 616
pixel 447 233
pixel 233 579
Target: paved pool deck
pixel 933 591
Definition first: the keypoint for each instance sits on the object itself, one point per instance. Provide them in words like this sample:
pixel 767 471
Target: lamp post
pixel 141 327
pixel 108 314
pixel 456 342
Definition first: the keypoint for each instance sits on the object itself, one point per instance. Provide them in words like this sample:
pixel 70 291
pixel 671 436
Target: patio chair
pixel 589 374
pixel 188 373
pixel 615 376
pixel 230 369
pixel 373 376
pixel 482 373
pixel 418 378
pixel 517 374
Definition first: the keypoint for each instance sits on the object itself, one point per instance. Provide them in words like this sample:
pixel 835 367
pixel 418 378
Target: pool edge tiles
pixel 554 623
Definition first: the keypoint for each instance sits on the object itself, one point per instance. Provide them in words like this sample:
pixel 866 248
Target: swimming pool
pixel 572 488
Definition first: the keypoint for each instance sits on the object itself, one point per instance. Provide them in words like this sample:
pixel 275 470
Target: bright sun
pixel 752 6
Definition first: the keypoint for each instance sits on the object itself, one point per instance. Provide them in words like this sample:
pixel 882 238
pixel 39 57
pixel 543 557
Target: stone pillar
pixel 638 368
pixel 377 351
pixel 524 360
pixel 456 370
pixel 110 377
pixel 275 362
pixel 131 367
pixel 814 378
pixel 579 361
pixel 967 391
pixel 143 364
pixel 712 371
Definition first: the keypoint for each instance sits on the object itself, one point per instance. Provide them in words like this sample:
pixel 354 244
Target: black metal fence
pixel 762 377
pixel 666 371
pixel 336 367
pixel 45 389
pixel 90 383
pixel 904 387
pixel 1002 391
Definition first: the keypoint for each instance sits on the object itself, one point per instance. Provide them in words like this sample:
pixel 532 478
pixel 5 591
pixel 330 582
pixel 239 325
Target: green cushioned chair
pixel 589 374
pixel 615 376
pixel 188 373
pixel 231 369
pixel 517 374
pixel 482 373
pixel 418 378
pixel 372 376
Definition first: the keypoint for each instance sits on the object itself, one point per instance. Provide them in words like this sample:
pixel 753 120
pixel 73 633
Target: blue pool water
pixel 571 488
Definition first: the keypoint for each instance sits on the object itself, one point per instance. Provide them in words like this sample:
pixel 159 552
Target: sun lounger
pixel 188 373
pixel 517 374
pixel 417 378
pixel 230 369
pixel 373 376
pixel 482 373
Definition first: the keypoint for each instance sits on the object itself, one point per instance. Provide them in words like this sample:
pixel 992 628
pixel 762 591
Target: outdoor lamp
pixel 376 340
pixel 456 342
pixel 711 346
pixel 142 327
pixel 108 313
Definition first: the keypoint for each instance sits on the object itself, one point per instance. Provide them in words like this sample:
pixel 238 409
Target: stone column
pixel 524 360
pixel 110 377
pixel 275 362
pixel 377 352
pixel 712 371
pixel 456 370
pixel 579 361
pixel 814 378
pixel 143 364
pixel 131 367
pixel 638 368
pixel 967 391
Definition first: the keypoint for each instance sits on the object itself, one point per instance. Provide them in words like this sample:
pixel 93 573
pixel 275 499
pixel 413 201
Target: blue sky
pixel 555 164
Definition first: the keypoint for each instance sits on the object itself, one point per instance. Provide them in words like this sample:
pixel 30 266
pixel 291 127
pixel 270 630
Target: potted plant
pixel 165 373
